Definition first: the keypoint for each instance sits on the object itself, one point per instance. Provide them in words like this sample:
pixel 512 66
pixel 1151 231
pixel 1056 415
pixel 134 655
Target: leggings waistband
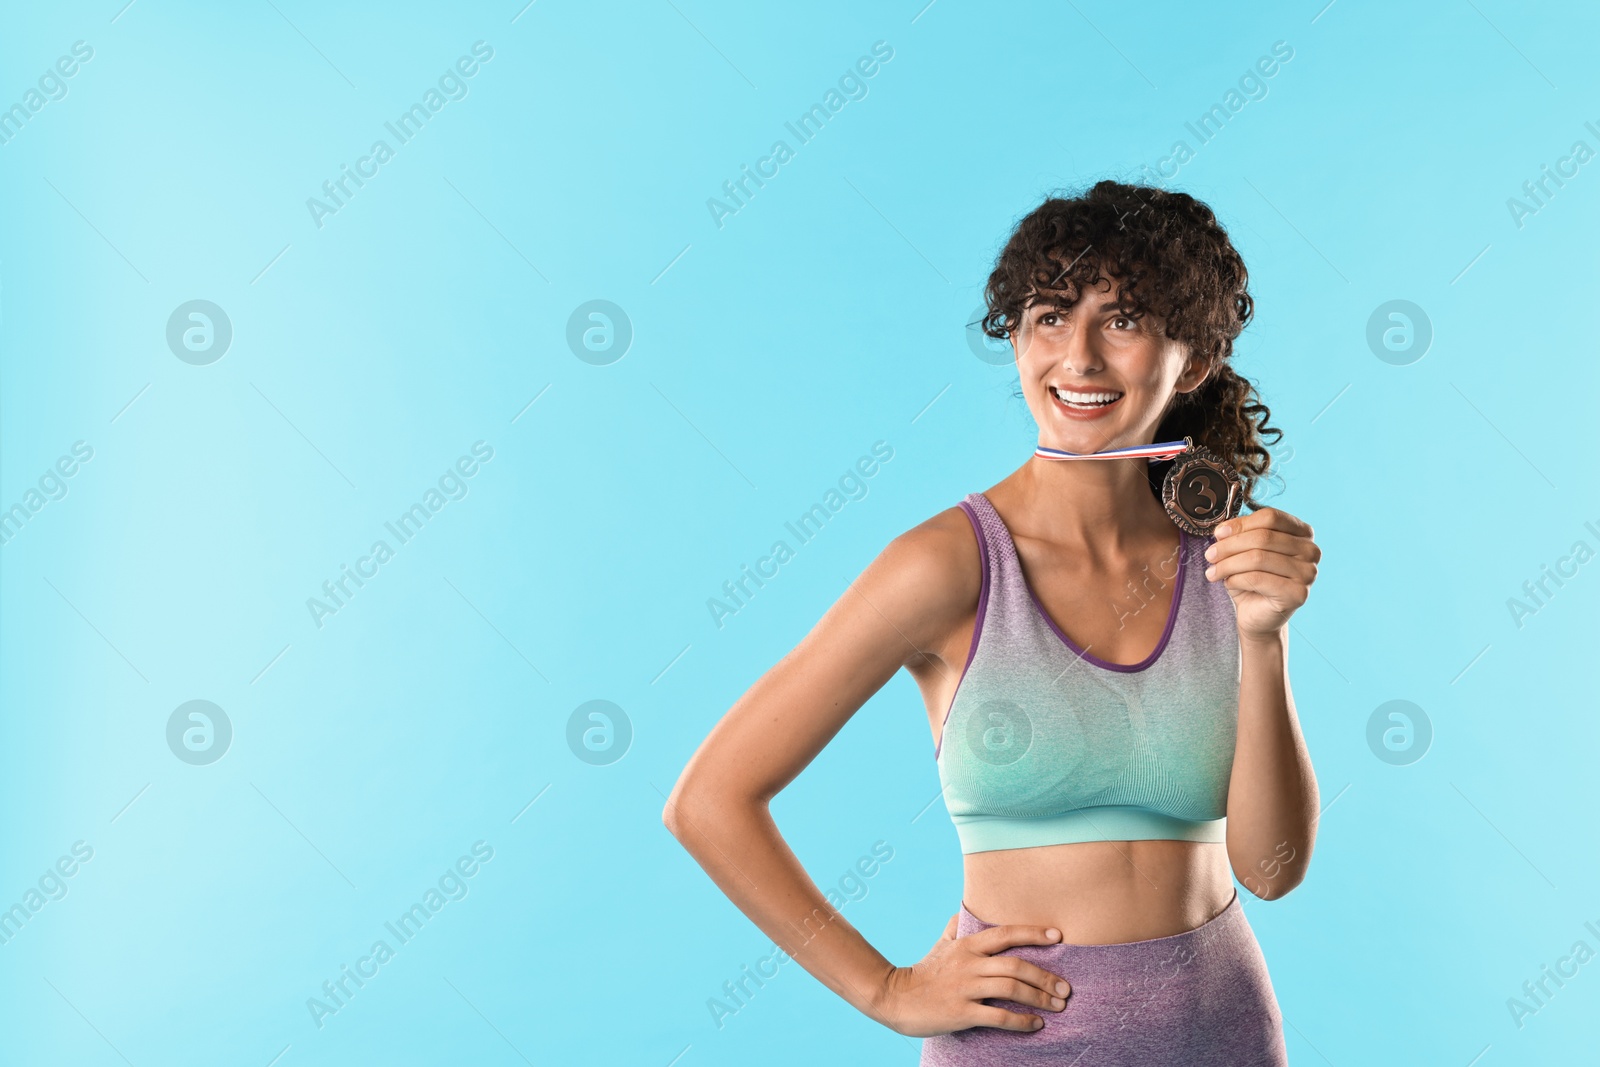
pixel 1225 922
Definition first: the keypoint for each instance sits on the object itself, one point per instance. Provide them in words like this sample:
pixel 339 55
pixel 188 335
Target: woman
pixel 1105 784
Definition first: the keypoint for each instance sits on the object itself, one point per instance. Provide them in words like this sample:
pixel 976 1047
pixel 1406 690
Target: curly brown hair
pixel 1173 259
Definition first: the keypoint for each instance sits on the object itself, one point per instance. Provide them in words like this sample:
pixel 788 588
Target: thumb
pixel 950 929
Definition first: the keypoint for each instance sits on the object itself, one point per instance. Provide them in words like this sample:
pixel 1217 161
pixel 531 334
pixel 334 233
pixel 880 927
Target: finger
pixel 1018 992
pixel 999 938
pixel 1273 540
pixel 1260 560
pixel 1282 590
pixel 1269 518
pixel 1003 1019
pixel 950 928
pixel 1012 967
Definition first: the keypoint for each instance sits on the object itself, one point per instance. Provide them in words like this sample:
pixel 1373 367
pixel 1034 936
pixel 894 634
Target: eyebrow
pixel 1047 306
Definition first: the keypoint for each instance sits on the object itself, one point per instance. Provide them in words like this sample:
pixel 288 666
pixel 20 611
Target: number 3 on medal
pixel 1201 485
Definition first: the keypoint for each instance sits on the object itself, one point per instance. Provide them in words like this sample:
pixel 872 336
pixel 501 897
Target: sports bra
pixel 1045 744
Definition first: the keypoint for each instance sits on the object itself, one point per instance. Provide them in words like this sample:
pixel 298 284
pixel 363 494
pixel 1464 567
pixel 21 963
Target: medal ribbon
pixel 1154 452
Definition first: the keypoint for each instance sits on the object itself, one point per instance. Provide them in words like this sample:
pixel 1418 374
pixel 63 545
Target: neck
pixel 1095 504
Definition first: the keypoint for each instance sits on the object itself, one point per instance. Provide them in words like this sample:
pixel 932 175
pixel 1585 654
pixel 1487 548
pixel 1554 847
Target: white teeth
pixel 1084 399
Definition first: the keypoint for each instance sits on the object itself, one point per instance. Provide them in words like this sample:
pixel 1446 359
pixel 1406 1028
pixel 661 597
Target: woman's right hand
pixel 945 992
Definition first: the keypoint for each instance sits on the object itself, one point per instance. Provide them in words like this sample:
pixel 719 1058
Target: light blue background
pixel 768 354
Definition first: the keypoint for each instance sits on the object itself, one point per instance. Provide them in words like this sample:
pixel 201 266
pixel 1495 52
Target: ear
pixel 1194 375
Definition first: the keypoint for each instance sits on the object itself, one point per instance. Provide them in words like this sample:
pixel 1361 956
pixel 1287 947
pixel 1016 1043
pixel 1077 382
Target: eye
pixel 1123 318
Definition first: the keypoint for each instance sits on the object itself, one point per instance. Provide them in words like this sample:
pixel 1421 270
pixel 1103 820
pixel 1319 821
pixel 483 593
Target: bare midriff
pixel 1101 892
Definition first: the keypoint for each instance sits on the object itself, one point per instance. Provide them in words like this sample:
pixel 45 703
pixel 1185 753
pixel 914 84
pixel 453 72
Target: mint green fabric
pixel 1046 744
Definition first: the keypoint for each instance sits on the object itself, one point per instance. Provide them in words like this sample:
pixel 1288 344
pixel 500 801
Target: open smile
pixel 1081 404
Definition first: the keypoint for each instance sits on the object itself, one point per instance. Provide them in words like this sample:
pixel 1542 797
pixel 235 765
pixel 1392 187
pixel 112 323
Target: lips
pixel 1084 404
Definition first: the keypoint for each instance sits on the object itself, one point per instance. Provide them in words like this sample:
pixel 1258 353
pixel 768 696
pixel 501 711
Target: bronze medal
pixel 1201 491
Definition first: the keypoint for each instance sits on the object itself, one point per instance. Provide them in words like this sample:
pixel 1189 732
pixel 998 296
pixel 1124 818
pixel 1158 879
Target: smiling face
pixel 1094 378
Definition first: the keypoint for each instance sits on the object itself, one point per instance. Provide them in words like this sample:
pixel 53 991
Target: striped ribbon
pixel 1153 452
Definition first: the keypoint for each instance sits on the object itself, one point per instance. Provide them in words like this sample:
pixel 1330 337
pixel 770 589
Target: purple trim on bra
pixel 1166 633
pixel 1014 560
pixel 977 627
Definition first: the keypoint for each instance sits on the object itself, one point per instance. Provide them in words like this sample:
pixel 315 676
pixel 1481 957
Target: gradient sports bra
pixel 1045 744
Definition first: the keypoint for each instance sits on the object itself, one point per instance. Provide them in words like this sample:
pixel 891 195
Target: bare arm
pixel 1268 564
pixel 905 600
pixel 1272 795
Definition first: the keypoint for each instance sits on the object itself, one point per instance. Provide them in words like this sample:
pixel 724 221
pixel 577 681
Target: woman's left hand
pixel 1267 560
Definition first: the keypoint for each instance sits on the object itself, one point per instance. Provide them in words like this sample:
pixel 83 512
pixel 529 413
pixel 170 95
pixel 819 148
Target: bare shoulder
pixel 943 544
pixel 933 573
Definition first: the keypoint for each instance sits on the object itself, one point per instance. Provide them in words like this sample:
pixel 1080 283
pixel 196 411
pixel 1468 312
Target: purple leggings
pixel 1201 998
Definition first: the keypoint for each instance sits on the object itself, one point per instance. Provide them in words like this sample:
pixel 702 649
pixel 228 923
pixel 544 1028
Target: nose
pixel 1078 354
